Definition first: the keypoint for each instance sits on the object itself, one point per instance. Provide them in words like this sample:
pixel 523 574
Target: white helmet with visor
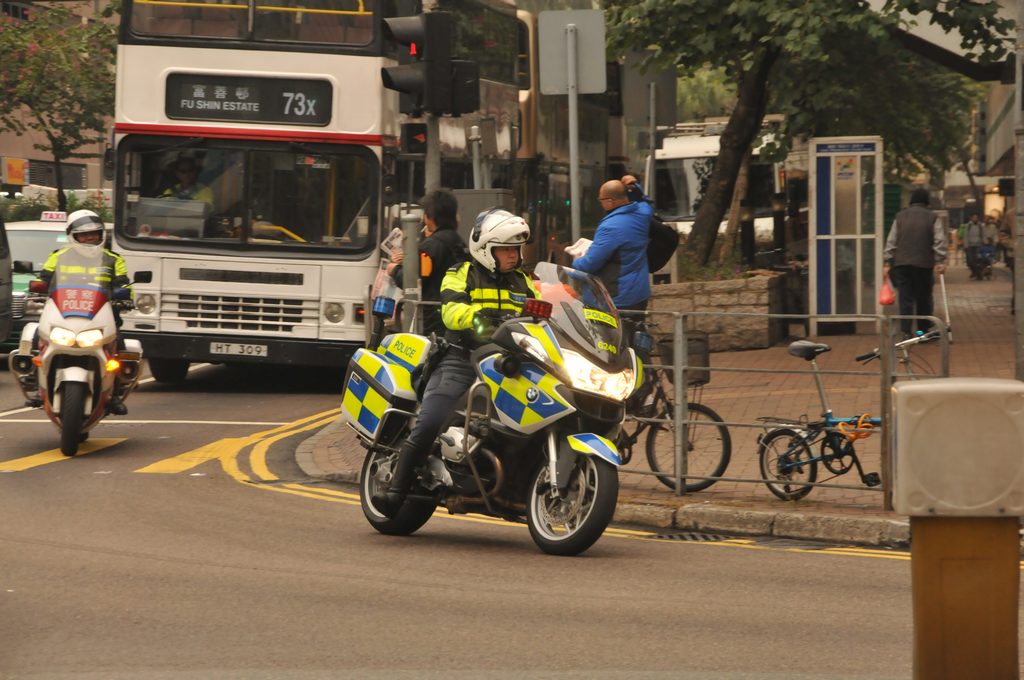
pixel 86 232
pixel 496 227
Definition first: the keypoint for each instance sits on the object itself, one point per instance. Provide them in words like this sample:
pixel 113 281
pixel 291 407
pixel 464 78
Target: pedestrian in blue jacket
pixel 618 255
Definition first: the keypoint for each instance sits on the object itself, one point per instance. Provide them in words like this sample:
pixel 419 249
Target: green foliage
pixel 703 94
pixel 839 69
pixel 58 78
pixel 29 209
pixel 23 209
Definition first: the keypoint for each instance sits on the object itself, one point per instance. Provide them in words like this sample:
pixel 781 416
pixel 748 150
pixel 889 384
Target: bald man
pixel 618 254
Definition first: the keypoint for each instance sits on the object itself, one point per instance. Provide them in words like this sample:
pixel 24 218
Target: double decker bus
pixel 277 111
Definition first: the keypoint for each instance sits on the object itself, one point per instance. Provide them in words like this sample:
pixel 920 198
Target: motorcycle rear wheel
pixel 72 415
pixel 568 526
pixel 374 476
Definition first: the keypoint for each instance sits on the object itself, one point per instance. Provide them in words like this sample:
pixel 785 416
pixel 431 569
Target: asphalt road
pixel 185 543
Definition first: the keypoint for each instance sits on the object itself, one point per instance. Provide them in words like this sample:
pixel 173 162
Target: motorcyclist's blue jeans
pixel 445 393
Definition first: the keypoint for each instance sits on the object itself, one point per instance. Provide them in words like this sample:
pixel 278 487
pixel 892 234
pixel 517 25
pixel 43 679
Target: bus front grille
pixel 238 313
pixel 17 306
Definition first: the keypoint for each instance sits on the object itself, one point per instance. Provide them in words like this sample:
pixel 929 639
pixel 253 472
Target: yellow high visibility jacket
pixel 468 288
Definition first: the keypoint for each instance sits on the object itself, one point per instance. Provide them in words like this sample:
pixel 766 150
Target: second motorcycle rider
pixel 475 295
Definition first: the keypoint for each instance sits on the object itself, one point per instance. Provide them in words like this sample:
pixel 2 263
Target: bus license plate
pixel 238 349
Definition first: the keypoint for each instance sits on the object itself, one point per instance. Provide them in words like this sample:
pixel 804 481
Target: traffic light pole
pixel 432 162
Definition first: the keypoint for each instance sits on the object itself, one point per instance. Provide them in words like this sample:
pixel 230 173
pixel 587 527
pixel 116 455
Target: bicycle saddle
pixel 807 350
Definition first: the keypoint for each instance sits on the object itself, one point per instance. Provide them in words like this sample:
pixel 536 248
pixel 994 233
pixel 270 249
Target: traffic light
pixel 427 73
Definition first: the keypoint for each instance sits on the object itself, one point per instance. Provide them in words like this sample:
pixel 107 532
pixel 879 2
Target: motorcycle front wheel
pixel 376 474
pixel 72 415
pixel 569 524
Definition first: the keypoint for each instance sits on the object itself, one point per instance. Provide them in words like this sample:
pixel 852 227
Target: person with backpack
pixel 441 249
pixel 618 254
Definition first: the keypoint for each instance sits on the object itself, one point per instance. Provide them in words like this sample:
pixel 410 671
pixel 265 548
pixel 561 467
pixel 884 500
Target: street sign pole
pixel 574 129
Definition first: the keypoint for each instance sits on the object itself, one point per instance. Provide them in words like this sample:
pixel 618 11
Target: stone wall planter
pixel 761 294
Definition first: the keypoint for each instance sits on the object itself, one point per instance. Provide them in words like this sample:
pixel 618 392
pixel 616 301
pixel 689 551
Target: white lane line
pixel 156 422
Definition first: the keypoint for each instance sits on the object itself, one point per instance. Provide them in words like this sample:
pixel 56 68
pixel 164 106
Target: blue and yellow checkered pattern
pixel 595 444
pixel 374 382
pixel 511 396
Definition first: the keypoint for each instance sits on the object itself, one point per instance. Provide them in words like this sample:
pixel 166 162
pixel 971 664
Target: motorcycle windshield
pixel 583 311
pixel 80 301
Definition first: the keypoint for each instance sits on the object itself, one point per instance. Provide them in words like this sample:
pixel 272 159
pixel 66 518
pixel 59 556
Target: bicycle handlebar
pixel 930 336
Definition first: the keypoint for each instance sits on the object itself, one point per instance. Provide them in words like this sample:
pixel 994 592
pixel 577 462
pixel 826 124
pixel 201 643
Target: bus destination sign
pixel 249 99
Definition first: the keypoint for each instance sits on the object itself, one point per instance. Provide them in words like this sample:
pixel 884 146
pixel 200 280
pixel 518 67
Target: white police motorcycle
pixel 68 362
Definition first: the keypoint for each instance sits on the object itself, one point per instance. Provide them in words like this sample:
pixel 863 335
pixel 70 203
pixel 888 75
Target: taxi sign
pixel 54 216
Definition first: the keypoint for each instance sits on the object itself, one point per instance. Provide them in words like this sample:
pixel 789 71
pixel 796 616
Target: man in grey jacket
pixel 914 252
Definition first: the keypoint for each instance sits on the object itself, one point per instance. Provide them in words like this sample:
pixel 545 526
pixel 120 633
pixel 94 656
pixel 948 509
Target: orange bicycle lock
pixel 848 430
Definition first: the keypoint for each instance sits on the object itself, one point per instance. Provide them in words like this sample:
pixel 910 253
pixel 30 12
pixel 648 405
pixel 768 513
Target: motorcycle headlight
pixel 586 376
pixel 90 338
pixel 62 336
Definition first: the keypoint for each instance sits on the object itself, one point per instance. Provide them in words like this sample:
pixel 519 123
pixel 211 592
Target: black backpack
pixel 662 241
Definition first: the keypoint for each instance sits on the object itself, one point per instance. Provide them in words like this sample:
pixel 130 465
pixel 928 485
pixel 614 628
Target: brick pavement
pixel 983 335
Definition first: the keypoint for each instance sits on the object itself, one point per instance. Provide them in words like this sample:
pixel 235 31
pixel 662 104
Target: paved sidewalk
pixel 983 334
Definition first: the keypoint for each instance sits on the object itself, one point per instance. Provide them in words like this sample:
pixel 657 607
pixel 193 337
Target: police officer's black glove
pixel 485 322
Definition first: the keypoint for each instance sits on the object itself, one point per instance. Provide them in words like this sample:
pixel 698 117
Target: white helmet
pixel 85 222
pixel 496 227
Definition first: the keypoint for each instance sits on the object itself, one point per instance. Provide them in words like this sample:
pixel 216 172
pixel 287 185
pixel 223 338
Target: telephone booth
pixel 846 232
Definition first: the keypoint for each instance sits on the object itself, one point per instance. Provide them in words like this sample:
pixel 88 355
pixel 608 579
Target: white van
pixel 6 277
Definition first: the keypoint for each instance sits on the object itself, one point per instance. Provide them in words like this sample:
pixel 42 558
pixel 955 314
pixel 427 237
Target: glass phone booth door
pixel 847 234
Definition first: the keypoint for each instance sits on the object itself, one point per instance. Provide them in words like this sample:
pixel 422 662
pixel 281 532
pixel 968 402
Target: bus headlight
pixel 591 378
pixel 89 338
pixel 145 303
pixel 62 336
pixel 334 312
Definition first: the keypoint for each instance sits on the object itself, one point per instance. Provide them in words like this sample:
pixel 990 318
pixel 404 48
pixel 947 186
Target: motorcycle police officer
pixel 85 252
pixel 475 296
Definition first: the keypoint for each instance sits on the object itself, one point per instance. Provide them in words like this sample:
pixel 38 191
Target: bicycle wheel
pixel 708 453
pixel 786 464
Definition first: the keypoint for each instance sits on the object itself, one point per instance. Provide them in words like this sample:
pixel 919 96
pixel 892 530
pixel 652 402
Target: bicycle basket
pixel 698 357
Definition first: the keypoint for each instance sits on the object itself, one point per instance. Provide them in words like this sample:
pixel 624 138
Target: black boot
pixel 116 407
pixel 390 502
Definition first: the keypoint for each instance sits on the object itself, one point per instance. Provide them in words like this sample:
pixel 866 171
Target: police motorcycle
pixel 534 442
pixel 68 362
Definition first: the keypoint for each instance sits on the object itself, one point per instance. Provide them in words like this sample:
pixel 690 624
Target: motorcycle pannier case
pixel 379 392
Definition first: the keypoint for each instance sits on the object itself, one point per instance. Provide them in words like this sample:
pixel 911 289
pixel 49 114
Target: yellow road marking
pixel 54 455
pixel 190 459
pixel 229 448
pixel 258 457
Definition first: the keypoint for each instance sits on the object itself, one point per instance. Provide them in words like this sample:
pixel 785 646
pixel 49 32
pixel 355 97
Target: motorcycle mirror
pixel 508 365
pixel 22 267
pixel 143 277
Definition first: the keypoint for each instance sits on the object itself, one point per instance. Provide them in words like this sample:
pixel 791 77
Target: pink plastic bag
pixel 886 297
